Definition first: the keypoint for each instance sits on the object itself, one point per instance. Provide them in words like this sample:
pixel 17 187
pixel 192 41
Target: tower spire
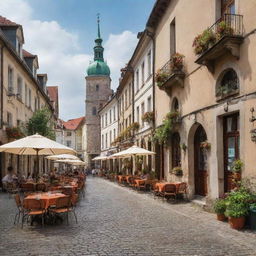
pixel 98 49
pixel 98 21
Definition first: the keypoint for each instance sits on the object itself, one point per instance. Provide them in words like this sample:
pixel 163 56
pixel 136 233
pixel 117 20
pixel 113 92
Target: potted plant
pixel 161 77
pixel 236 168
pixel 177 62
pixel 219 207
pixel 204 41
pixel 14 133
pixel 236 213
pixel 148 117
pixel 177 171
pixel 224 29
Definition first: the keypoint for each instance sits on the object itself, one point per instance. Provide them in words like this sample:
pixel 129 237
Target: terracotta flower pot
pixel 236 223
pixel 221 217
pixel 237 175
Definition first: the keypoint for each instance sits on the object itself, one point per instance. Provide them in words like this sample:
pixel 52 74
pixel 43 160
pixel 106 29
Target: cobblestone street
pixel 114 220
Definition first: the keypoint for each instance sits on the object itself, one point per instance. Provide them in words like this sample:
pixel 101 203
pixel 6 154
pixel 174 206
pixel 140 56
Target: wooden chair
pixel 11 188
pixel 20 208
pixel 182 189
pixel 27 187
pixel 41 187
pixel 168 191
pixel 64 206
pixel 34 207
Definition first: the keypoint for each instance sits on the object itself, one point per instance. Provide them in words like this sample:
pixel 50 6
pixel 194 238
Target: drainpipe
pixel 2 86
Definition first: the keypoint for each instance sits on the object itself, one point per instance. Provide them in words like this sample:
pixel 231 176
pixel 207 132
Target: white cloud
pixel 59 56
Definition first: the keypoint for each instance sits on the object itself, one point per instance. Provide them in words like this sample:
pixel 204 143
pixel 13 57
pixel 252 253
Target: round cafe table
pixel 48 198
pixel 160 185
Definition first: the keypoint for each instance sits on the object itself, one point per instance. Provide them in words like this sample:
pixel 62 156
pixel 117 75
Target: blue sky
pixel 62 33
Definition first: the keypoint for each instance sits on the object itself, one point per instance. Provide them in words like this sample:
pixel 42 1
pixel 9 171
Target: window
pixel 68 133
pixel 94 111
pixel 110 116
pixel 19 89
pixel 10 80
pixel 227 84
pixel 175 105
pixel 68 143
pixel 126 122
pixel 176 152
pixel 35 104
pixel 227 7
pixel 114 113
pixel 9 119
pixel 29 98
pixel 110 136
pixel 130 93
pixel 142 111
pixel 114 133
pixel 142 73
pixel 149 63
pixel 130 119
pixel 138 114
pixel 106 119
pixel 106 138
pixel 126 98
pixel 102 121
pixel 137 80
pixel 97 87
pixel 102 141
pixel 172 38
pixel 149 104
pixel 38 101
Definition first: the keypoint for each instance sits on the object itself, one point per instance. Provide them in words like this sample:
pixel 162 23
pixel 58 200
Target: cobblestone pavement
pixel 115 220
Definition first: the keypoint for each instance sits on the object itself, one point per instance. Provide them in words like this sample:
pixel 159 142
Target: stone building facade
pixel 98 92
pixel 23 91
pixel 213 91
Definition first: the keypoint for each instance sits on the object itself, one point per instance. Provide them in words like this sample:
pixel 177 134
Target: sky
pixel 62 33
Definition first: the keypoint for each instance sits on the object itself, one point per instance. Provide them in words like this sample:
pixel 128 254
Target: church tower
pixel 98 91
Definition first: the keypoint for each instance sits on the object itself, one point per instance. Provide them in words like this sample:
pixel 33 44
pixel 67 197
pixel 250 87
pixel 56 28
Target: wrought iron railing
pixel 229 24
pixel 173 66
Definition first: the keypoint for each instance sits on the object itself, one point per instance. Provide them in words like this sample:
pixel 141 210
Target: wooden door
pixel 231 147
pixel 227 7
pixel 200 162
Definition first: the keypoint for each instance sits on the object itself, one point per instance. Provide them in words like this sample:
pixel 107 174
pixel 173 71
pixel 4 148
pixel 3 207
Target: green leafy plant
pixel 237 165
pixel 236 210
pixel 162 133
pixel 184 147
pixel 224 29
pixel 161 77
pixel 41 123
pixel 203 41
pixel 219 206
pixel 177 171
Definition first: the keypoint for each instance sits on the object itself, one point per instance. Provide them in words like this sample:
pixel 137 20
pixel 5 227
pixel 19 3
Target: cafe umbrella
pixel 36 145
pixel 132 152
pixel 62 156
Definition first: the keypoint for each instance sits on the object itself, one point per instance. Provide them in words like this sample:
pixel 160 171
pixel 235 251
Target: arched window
pixel 175 105
pixel 94 111
pixel 227 84
pixel 176 152
pixel 97 87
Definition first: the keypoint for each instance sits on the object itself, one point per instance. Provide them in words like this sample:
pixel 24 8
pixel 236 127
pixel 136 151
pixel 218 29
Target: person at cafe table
pixel 10 177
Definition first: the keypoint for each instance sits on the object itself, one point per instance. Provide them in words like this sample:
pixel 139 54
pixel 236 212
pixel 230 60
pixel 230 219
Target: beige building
pixel 213 90
pixel 23 91
pixel 73 135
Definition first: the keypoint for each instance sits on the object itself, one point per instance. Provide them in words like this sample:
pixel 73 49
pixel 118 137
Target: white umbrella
pixel 36 145
pixel 132 152
pixel 99 158
pixel 72 162
pixel 62 156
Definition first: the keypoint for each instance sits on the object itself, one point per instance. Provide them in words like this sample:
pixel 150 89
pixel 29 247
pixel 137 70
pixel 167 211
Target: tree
pixel 41 123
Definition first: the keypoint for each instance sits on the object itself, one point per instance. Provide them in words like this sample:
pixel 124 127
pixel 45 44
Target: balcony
pixel 224 37
pixel 171 73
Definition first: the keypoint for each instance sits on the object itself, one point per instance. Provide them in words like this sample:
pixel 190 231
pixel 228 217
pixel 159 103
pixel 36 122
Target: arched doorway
pixel 200 162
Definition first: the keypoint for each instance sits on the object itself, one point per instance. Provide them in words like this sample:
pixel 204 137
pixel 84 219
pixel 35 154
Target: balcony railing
pixel 229 24
pixel 171 72
pixel 225 35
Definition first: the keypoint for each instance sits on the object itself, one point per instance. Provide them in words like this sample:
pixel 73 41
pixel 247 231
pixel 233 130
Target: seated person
pixel 10 177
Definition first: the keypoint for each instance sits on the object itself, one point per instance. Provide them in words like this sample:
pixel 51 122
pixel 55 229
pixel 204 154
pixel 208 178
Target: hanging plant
pixel 177 62
pixel 163 132
pixel 161 77
pixel 224 29
pixel 237 166
pixel 14 133
pixel 148 117
pixel 134 126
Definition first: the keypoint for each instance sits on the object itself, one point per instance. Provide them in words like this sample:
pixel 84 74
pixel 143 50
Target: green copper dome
pixel 98 67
